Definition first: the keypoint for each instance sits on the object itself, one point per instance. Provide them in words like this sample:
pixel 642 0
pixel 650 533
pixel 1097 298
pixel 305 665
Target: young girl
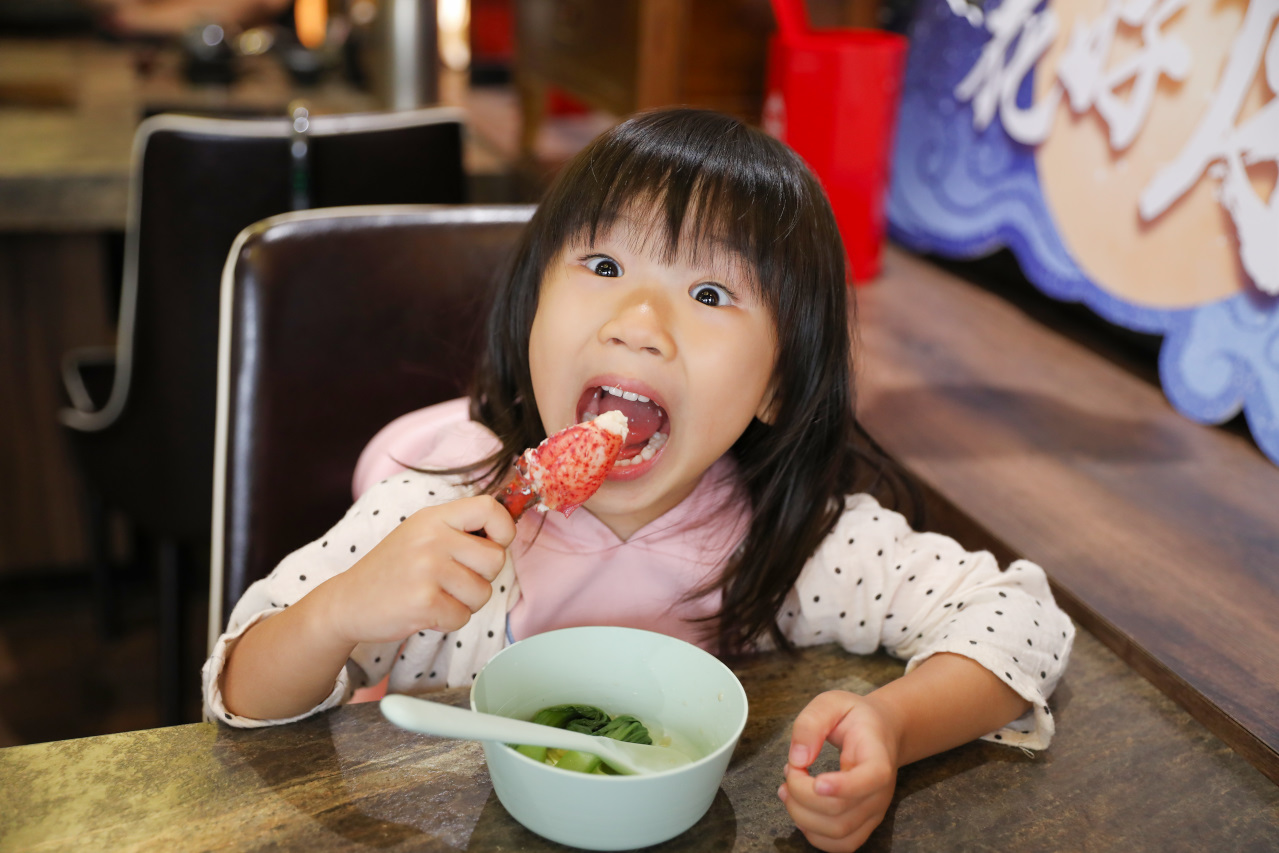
pixel 686 270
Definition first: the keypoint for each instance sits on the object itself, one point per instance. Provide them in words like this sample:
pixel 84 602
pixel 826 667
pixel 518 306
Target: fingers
pixel 446 600
pixel 815 724
pixel 480 513
pixel 838 811
pixel 861 781
pixel 475 560
pixel 832 793
pixel 450 530
pixel 866 767
pixel 443 612
pixel 845 844
pixel 482 556
pixel 471 589
pixel 830 822
pixel 866 770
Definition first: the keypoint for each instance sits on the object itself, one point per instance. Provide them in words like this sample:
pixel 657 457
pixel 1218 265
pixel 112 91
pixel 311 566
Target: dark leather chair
pixel 334 324
pixel 145 446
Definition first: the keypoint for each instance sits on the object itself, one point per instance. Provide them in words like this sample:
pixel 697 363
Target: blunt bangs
pixel 706 184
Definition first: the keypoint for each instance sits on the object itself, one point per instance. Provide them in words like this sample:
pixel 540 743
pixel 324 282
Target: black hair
pixel 734 183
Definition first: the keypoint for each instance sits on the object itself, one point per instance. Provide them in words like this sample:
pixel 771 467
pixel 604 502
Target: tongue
pixel 642 419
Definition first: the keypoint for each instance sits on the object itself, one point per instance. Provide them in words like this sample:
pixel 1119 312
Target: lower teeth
pixel 650 450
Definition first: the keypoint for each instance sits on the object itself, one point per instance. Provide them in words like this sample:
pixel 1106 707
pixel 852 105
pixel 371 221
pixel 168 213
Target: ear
pixel 767 411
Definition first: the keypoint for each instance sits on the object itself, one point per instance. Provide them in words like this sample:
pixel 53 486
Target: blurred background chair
pixel 334 324
pixel 141 419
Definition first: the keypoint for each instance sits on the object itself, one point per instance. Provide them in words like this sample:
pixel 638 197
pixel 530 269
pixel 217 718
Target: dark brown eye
pixel 711 294
pixel 606 267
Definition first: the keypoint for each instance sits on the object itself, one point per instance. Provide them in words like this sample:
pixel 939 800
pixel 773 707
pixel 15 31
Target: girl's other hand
pixel 837 811
pixel 429 573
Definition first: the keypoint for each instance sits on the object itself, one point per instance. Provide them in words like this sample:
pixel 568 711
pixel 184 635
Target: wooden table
pixel 1129 771
pixel 1160 535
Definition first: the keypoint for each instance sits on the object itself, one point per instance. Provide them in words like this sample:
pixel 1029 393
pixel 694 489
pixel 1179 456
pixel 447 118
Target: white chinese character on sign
pixel 1230 148
pixel 1083 65
pixel 994 80
pixel 971 12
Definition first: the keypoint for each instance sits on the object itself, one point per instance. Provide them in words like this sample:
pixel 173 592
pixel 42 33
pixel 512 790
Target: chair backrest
pixel 197 183
pixel 334 323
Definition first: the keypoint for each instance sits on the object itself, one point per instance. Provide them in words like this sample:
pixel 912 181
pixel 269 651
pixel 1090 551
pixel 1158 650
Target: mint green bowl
pixel 675 688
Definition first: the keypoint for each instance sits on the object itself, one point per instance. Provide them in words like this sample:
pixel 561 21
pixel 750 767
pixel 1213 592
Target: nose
pixel 641 321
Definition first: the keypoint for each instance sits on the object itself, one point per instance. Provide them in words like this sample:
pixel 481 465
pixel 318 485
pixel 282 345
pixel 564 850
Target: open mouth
pixel 648 426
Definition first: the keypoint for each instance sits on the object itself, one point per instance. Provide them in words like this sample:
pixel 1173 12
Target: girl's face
pixel 687 345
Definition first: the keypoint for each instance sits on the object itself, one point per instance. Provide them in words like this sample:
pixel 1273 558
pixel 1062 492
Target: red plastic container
pixel 832 95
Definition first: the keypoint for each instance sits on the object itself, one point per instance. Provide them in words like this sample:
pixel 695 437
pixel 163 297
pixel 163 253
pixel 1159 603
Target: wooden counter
pixel 69 108
pixel 67 114
pixel 1129 771
pixel 1160 535
pixel 623 57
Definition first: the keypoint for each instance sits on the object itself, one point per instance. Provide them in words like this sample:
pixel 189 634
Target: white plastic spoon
pixel 433 718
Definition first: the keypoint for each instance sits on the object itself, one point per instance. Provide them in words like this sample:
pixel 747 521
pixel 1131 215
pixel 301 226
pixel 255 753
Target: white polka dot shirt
pixel 872 584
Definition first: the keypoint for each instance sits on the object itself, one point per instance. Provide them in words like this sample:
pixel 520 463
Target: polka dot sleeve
pixel 378 511
pixel 875 583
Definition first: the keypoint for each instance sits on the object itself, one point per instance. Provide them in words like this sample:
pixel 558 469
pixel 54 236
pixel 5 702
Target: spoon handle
pixel 434 718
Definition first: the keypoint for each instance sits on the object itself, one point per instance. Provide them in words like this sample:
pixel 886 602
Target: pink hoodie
pixel 576 571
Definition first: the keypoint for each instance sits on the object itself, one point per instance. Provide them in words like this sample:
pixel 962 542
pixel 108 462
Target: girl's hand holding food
pixel 430 573
pixel 837 811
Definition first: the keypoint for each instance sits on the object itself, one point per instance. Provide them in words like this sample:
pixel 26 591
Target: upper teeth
pixel 625 395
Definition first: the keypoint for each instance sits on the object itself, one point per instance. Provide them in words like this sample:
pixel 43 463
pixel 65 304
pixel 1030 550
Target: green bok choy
pixel 586 719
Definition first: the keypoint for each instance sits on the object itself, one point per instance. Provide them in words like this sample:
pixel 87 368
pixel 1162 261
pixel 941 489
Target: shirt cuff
pixel 215 709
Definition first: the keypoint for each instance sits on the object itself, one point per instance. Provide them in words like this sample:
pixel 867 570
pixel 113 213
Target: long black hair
pixel 736 184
